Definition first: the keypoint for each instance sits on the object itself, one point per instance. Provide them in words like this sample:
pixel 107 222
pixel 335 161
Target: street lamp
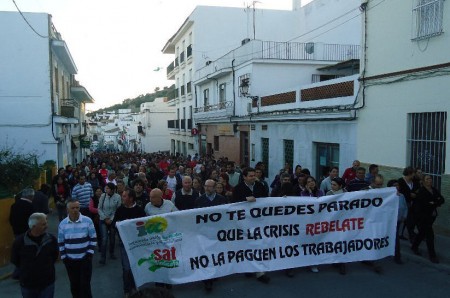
pixel 244 89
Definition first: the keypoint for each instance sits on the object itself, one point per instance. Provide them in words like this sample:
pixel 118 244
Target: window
pixel 216 143
pixel 327 156
pixel 244 85
pixel 222 94
pixel 205 98
pixel 56 80
pixel 427 18
pixel 289 152
pixel 427 140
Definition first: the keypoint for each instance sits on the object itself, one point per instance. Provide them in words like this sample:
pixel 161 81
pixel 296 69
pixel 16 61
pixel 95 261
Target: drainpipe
pixel 234 88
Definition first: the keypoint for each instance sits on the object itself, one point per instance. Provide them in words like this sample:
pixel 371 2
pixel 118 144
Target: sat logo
pixel 161 258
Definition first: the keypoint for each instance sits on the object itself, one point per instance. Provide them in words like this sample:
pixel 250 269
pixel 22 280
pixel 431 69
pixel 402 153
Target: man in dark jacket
pixel 35 253
pixel 249 190
pixel 21 211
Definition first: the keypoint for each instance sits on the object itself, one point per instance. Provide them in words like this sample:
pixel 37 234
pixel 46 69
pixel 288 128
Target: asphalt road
pixel 417 277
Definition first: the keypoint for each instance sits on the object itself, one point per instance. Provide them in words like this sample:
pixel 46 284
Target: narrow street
pixel 417 277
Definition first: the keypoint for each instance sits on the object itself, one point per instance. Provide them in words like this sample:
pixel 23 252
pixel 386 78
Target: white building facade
pixel 207 34
pixel 43 105
pixel 153 120
pixel 287 102
pixel 406 78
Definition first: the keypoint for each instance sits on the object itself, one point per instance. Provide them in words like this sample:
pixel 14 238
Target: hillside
pixel 136 102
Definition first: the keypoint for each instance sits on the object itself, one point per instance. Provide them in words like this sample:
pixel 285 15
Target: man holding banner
pixel 208 199
pixel 248 190
pixel 128 210
pixel 266 235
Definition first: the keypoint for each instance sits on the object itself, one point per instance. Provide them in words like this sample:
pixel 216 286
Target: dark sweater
pixel 19 215
pixel 203 201
pixel 185 202
pixel 35 260
pixel 124 213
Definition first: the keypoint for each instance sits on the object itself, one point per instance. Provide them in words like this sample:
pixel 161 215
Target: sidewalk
pixel 442 245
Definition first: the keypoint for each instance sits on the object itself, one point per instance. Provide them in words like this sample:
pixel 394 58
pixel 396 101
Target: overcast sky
pixel 116 44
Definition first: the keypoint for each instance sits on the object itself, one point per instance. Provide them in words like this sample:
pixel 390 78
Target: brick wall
pixel 276 99
pixel 328 91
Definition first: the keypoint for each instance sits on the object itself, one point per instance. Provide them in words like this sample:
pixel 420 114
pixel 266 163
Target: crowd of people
pixel 91 197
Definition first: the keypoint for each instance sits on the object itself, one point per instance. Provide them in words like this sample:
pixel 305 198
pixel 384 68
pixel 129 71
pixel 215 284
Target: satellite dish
pixel 309 48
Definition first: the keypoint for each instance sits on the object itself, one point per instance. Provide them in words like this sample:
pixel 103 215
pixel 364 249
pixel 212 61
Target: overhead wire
pixel 26 21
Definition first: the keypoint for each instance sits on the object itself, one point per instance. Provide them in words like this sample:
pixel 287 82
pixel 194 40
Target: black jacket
pixel 36 261
pixel 426 203
pixel 19 215
pixel 241 191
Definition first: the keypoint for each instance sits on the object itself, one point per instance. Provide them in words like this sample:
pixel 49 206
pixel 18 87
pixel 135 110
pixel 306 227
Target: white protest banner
pixel 269 234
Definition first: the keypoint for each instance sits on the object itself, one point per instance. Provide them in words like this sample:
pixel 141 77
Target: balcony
pixel 331 99
pixel 170 71
pixel 271 50
pixel 70 108
pixel 217 111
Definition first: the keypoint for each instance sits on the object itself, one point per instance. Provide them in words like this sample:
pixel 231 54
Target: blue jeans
pixel 108 233
pixel 127 275
pixel 38 293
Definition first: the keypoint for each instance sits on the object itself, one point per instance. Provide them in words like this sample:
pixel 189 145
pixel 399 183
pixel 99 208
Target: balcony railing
pixel 267 50
pixel 69 102
pixel 188 87
pixel 216 107
pixel 189 51
pixel 170 68
pixel 182 57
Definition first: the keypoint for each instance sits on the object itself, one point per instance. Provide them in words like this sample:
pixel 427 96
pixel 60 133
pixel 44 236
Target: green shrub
pixel 17 170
